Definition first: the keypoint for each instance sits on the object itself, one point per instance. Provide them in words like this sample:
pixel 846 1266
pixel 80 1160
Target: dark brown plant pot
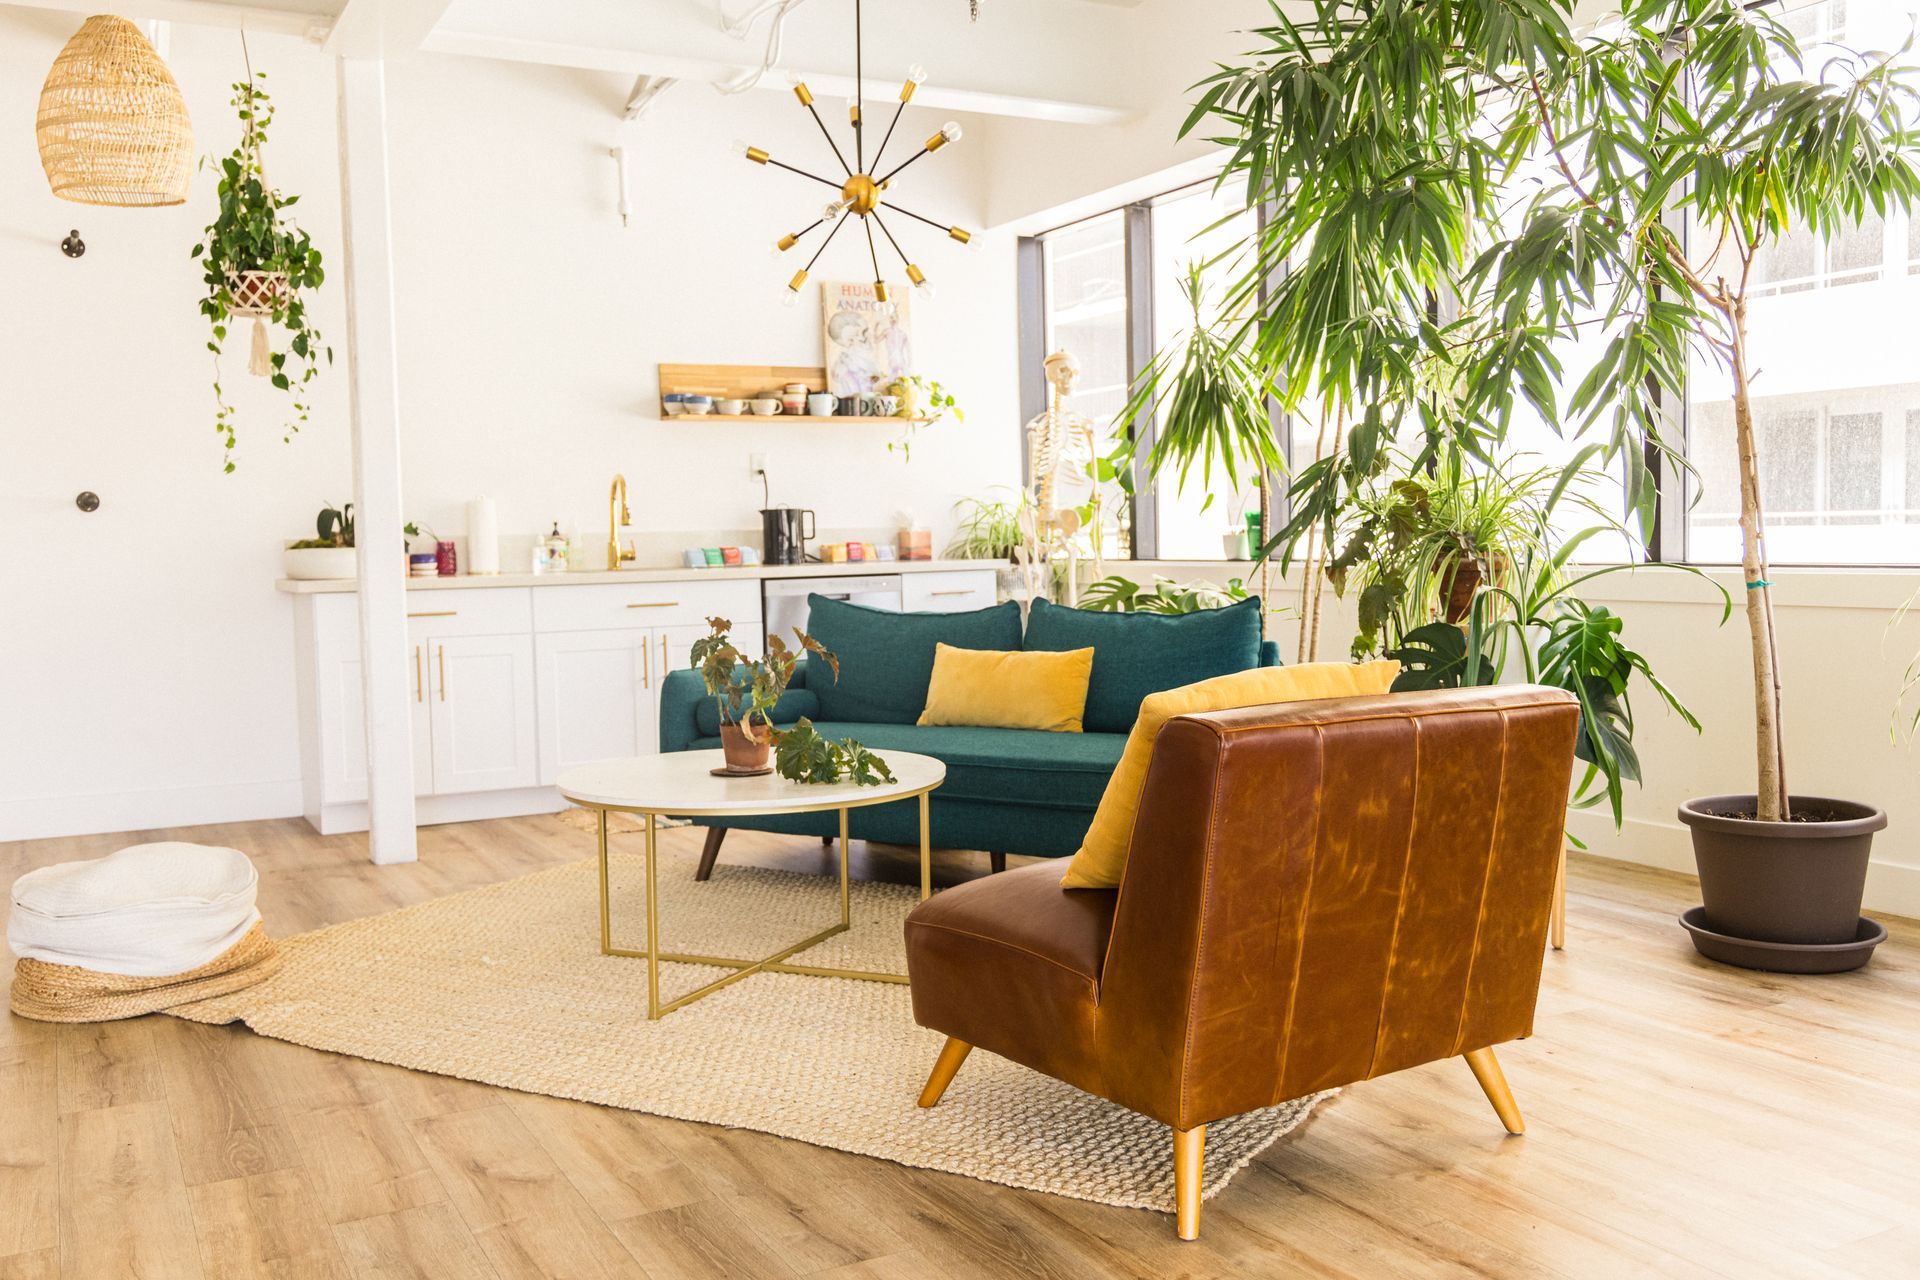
pixel 744 753
pixel 1461 579
pixel 1796 882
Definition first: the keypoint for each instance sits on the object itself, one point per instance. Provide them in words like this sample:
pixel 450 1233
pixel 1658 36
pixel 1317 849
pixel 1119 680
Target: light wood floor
pixel 1685 1119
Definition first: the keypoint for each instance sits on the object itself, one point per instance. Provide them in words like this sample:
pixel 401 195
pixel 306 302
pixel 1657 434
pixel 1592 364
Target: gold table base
pixel 741 968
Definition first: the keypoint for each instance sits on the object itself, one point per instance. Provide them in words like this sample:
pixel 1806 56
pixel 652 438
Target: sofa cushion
pixel 886 658
pixel 1136 654
pixel 997 766
pixel 1009 689
pixel 1103 856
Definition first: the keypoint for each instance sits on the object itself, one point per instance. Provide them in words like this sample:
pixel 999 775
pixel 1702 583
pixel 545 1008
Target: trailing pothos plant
pixel 257 262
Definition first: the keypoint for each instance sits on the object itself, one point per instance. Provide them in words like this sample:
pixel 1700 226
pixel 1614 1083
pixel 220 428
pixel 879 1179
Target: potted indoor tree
pixel 1519 187
pixel 257 262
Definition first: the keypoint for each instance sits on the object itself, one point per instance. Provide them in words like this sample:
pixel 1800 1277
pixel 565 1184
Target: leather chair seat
pixel 1017 959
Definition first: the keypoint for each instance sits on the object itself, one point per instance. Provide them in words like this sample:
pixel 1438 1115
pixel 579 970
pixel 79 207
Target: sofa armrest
pixel 681 694
pixel 1270 653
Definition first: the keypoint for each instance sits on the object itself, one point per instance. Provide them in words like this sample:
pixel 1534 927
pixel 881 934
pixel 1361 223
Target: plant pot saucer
pixel 1784 957
pixel 728 771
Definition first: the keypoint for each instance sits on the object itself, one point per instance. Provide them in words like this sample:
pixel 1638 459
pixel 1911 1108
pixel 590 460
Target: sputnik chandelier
pixel 863 190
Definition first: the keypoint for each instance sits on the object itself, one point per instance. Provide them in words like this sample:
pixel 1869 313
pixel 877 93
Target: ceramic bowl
pixel 732 408
pixel 699 404
pixel 765 407
pixel 674 404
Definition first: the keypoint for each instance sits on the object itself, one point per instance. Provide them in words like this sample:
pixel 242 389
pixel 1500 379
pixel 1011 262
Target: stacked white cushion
pixel 148 911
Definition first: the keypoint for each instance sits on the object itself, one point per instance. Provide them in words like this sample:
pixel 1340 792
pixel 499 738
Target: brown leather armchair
pixel 1317 893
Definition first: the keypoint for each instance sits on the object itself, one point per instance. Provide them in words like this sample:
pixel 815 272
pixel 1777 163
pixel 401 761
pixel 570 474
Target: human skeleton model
pixel 1060 457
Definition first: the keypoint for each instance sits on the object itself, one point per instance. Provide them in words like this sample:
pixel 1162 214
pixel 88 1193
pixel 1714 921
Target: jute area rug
pixel 506 985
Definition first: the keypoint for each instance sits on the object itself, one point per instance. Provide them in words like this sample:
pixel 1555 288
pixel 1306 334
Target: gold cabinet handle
pixel 443 672
pixel 436 613
pixel 646 664
pixel 654 604
pixel 664 665
pixel 419 695
pixel 962 591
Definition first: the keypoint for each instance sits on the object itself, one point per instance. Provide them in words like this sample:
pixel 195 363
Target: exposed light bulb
pixel 791 298
pixel 776 249
pixel 916 74
pixel 833 210
pixel 739 147
pixel 952 131
pixel 924 288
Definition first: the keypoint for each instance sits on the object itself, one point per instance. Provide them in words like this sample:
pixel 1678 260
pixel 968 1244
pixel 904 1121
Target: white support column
pixel 373 375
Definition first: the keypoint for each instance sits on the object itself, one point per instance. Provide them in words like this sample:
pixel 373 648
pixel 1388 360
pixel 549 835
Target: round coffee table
pixel 682 784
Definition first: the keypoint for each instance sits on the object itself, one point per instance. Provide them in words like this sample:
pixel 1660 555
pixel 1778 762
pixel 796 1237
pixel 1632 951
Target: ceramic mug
pixel 730 407
pixel 792 402
pixel 822 404
pixel 887 406
pixel 849 406
pixel 765 406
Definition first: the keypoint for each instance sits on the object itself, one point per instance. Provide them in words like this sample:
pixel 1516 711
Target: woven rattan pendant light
pixel 112 126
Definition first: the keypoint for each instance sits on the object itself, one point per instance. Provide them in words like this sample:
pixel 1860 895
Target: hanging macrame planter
pixel 255 295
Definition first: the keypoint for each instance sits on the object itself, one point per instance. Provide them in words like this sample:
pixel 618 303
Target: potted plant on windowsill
pixel 331 553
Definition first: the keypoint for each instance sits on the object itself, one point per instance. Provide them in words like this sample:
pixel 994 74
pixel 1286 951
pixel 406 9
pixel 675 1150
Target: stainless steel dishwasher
pixel 784 600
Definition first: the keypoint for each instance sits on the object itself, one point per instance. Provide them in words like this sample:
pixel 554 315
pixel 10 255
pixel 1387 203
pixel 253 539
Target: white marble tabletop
pixel 682 783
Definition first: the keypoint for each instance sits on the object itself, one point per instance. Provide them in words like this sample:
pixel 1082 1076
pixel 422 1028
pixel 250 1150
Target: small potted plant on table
pixel 746 690
pixel 329 555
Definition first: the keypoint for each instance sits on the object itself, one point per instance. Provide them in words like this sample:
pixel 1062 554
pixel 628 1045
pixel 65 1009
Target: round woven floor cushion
pixel 150 910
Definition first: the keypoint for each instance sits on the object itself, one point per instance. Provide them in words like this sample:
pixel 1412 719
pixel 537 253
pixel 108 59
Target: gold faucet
pixel 617 517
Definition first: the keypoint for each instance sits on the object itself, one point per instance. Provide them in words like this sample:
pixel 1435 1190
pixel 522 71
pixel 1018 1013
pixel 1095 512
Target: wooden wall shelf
pixel 748 382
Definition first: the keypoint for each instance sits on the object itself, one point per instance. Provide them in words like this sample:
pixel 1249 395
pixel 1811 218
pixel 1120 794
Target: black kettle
pixel 784 532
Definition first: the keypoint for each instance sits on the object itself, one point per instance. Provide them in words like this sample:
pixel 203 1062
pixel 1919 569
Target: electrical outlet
pixel 756 465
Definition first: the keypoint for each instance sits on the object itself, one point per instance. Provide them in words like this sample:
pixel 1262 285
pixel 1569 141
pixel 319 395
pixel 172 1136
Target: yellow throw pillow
pixel 1009 688
pixel 1103 855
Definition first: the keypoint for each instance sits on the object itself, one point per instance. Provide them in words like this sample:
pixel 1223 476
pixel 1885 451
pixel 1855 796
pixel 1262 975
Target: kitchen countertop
pixel 674 573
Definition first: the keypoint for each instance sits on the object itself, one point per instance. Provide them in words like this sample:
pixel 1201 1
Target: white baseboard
pixel 474 806
pixel 45 817
pixel 1892 888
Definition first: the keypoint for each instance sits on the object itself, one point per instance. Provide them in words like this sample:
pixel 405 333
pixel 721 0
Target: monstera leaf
pixel 1435 657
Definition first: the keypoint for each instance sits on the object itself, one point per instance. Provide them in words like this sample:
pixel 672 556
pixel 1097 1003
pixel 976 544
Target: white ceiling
pixel 1036 59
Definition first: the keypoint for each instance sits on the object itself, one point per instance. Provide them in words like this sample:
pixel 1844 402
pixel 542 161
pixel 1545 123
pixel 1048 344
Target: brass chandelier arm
pixel 803 173
pixel 916 217
pixel 875 217
pixel 789 241
pixel 824 243
pixel 904 163
pixel 874 254
pixel 828 135
pixel 888 136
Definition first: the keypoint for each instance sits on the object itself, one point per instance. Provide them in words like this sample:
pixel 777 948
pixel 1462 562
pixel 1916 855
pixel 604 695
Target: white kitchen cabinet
pixel 482 714
pixel 596 697
pixel 513 684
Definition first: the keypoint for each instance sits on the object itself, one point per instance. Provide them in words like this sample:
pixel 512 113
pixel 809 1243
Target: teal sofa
pixel 1007 790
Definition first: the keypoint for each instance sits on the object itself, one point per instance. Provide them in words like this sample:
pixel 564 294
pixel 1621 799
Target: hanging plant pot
pixel 1794 885
pixel 255 295
pixel 1462 576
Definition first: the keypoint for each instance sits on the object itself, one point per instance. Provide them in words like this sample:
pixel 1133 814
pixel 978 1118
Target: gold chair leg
pixel 952 1054
pixel 1486 1069
pixel 1557 921
pixel 1189 1147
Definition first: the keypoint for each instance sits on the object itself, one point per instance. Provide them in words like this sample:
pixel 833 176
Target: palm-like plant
pixel 1385 137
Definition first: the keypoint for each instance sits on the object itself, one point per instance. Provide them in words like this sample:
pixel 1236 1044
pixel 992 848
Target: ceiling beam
pixel 383 28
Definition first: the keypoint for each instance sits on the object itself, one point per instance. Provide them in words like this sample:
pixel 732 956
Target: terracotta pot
pixel 743 752
pixel 1461 579
pixel 1788 882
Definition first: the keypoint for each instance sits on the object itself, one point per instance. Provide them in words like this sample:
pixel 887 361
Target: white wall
pixel 145 658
